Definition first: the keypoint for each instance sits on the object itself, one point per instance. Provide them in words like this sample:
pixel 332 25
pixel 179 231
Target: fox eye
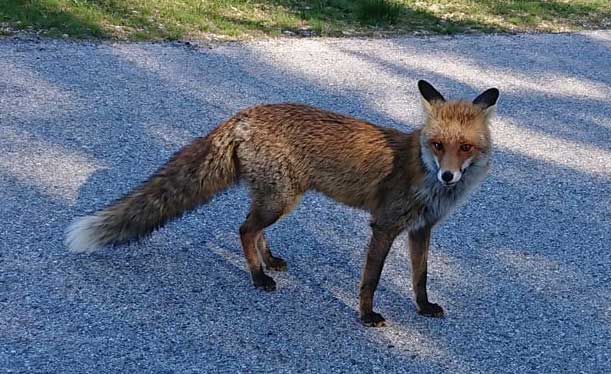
pixel 438 146
pixel 466 147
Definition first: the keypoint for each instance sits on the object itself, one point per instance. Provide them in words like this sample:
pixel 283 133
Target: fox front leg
pixel 419 241
pixel 379 245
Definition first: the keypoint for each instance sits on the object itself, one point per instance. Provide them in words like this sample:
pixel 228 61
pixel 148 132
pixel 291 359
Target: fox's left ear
pixel 487 99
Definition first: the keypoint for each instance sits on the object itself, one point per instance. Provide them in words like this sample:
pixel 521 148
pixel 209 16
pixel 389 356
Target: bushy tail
pixel 190 178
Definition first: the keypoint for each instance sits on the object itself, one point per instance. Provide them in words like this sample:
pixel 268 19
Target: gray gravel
pixel 523 269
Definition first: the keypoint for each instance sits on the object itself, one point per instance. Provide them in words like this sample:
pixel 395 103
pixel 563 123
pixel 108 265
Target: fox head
pixel 455 135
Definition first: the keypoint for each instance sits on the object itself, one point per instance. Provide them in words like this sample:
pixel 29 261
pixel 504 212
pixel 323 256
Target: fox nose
pixel 447 176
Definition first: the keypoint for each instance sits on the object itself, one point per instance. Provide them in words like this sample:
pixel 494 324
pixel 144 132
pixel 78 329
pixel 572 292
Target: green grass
pixel 377 12
pixel 233 19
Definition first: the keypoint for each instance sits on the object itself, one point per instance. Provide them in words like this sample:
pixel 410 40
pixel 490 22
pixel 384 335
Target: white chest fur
pixel 439 200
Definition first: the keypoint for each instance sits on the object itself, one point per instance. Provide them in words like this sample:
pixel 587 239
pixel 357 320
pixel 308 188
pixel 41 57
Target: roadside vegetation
pixel 237 19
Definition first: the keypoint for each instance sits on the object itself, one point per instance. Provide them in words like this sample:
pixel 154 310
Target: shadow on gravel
pixel 522 269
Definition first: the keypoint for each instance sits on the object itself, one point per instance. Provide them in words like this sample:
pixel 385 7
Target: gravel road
pixel 523 269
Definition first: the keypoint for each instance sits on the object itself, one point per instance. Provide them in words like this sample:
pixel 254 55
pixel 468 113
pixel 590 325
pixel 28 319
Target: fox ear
pixel 487 98
pixel 429 95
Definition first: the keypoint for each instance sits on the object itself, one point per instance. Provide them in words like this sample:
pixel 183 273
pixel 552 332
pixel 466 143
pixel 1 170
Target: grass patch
pixel 377 12
pixel 231 19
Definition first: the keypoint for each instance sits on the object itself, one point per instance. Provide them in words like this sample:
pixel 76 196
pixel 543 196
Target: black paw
pixel 430 310
pixel 277 264
pixel 264 282
pixel 373 319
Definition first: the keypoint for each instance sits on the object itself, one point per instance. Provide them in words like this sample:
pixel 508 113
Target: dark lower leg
pixel 380 244
pixel 259 279
pixel 419 241
pixel 270 261
pixel 250 232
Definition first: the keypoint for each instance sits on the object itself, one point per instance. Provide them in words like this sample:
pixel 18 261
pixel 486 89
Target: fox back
pixel 299 148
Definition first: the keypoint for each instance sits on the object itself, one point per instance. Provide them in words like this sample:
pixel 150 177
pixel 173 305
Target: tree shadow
pixel 530 103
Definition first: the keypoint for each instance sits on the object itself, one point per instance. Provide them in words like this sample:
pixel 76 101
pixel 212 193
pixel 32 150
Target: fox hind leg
pixel 265 211
pixel 271 262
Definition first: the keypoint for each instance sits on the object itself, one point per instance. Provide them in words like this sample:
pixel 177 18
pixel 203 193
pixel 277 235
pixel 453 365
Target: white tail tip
pixel 82 235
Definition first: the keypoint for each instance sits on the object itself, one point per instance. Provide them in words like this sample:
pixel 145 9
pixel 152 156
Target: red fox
pixel 406 181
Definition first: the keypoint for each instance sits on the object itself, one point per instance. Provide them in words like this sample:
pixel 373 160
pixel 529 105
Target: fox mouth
pixel 449 185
